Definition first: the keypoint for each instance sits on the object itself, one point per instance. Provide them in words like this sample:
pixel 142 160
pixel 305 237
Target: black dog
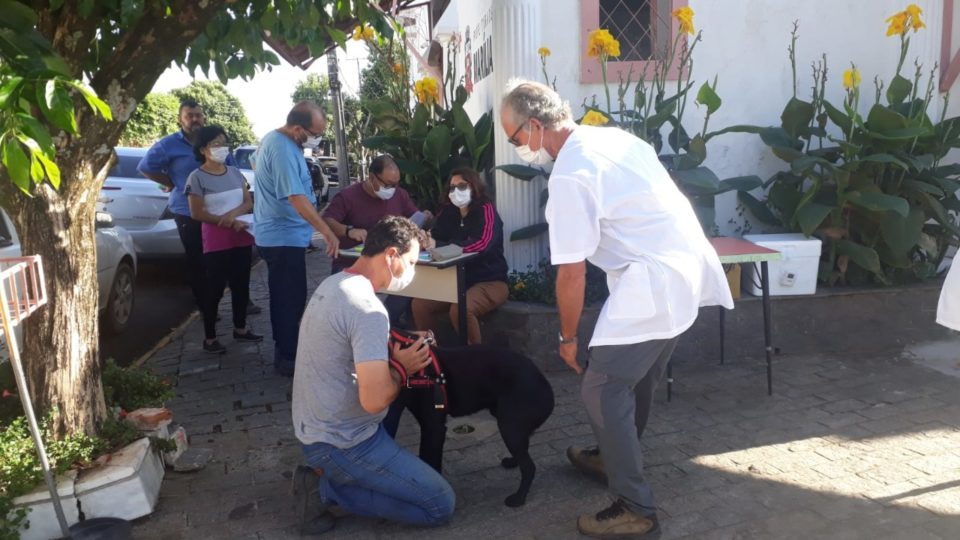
pixel 471 379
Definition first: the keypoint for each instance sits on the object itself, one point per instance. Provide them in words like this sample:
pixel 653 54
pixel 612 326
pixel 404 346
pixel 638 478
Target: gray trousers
pixel 617 390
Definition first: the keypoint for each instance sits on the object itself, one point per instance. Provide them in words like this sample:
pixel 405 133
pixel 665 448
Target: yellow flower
pixel 851 78
pixel 914 10
pixel 398 68
pixel 594 118
pixel 364 32
pixel 519 286
pixel 427 91
pixel 543 52
pixel 898 24
pixel 685 16
pixel 601 44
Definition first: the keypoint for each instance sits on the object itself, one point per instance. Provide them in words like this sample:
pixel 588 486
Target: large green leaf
pixel 525 233
pixel 884 119
pixel 862 256
pixel 898 90
pixel 885 159
pixel 740 183
pixel 879 202
pixel 436 147
pixel 804 165
pixel 756 130
pixel 418 127
pixel 8 89
pixel 522 172
pixel 465 127
pixel 384 142
pixel 708 97
pixel 411 167
pixel 810 216
pixel 838 117
pixel 17 164
pixel 797 116
pixel 700 180
pixel 902 233
pixel 57 107
pixel 783 145
pixel 757 208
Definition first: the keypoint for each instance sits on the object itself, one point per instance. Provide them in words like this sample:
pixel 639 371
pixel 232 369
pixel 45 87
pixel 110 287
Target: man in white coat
pixel 612 203
pixel 948 310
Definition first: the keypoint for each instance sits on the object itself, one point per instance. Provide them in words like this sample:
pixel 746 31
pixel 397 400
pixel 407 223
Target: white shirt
pixel 612 203
pixel 948 309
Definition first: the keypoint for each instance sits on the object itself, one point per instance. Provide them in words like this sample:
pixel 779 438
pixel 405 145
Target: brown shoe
pixel 588 461
pixel 618 521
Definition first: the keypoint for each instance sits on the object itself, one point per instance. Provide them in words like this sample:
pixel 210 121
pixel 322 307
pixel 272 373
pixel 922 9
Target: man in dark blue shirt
pixel 169 162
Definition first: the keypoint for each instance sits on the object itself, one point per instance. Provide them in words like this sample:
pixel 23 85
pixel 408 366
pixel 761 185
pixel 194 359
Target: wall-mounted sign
pixel 478 51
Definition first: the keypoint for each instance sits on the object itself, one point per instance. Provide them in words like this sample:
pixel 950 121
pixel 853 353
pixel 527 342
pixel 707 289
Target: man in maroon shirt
pixel 360 206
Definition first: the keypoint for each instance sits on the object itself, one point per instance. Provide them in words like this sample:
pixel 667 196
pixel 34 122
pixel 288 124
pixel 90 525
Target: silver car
pixel 116 268
pixel 139 205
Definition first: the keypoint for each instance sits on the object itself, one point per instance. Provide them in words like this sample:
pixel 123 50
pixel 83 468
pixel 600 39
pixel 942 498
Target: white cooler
pixel 794 274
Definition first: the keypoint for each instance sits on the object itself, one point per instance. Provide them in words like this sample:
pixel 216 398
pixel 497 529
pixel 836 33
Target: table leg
pixel 723 326
pixel 462 302
pixel 669 380
pixel 767 337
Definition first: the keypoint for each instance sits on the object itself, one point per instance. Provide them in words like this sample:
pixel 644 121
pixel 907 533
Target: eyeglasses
pixel 460 187
pixel 512 140
pixel 382 182
pixel 312 134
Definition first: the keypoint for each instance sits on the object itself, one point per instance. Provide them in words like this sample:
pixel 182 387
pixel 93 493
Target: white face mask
pixel 386 193
pixel 219 153
pixel 402 282
pixel 540 157
pixel 460 198
pixel 312 142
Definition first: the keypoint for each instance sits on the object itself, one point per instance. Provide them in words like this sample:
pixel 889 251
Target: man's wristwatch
pixel 349 228
pixel 566 341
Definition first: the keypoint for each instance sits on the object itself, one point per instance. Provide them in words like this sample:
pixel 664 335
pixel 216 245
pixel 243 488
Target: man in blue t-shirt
pixel 169 162
pixel 285 218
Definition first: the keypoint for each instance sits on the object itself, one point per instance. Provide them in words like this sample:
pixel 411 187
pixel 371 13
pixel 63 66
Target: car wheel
pixel 120 303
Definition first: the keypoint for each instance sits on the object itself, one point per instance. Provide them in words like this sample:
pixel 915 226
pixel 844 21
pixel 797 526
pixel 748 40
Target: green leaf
pixel 708 96
pixel 757 208
pixel 804 165
pixel 53 171
pixel 436 147
pixel 93 100
pixel 883 120
pixel 838 117
pixel 16 15
pixel 898 90
pixel 862 256
pixel 8 90
pixel 900 233
pixel 17 164
pixel 57 107
pixel 740 183
pixel 922 187
pixel 700 180
pixel 879 202
pixel 338 36
pixel 522 172
pixel 797 116
pixel 531 231
pixel 463 124
pixel 756 130
pixel 384 142
pixel 418 127
pixel 885 159
pixel 411 167
pixel 698 149
pixel 810 216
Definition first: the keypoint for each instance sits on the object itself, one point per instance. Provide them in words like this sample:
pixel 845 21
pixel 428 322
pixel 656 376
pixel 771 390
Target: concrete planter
pixel 834 321
pixel 125 486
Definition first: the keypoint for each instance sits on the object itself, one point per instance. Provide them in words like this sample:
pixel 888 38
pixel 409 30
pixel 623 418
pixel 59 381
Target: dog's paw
pixel 509 463
pixel 516 500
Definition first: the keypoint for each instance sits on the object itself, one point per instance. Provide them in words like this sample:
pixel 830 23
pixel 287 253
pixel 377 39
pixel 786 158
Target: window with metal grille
pixel 641 26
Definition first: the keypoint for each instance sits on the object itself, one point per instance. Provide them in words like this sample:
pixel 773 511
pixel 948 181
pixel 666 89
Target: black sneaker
pixel 214 347
pixel 253 309
pixel 312 515
pixel 247 336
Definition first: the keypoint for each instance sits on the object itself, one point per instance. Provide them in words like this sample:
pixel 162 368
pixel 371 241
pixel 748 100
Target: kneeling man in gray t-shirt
pixel 342 388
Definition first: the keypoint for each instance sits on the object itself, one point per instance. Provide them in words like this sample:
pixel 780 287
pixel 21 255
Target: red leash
pixel 421 379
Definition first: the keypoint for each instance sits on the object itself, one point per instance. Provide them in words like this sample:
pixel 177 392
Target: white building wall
pixel 745 45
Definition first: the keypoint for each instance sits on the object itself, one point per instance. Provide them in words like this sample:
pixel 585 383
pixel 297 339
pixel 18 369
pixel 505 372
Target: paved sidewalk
pixel 847 448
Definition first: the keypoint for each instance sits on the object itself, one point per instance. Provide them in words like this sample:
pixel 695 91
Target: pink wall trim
pixel 590 67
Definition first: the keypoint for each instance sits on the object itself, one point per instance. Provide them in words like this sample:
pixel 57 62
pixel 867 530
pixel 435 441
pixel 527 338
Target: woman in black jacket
pixel 469 220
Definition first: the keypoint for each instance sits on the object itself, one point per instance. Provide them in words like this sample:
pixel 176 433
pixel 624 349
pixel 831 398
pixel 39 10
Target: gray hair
pixel 528 99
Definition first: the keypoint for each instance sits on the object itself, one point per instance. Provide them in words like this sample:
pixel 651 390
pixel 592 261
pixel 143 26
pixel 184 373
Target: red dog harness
pixel 421 380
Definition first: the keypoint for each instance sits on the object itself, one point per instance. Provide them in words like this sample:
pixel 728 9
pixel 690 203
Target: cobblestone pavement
pixel 848 447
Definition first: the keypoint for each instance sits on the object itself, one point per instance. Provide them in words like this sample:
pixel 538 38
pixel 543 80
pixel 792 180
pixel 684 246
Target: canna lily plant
pixel 875 188
pixel 650 106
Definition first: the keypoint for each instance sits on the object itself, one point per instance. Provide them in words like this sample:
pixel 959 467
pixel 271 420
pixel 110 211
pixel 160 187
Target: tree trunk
pixel 60 353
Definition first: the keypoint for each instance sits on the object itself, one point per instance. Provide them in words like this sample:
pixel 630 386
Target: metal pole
pixel 343 167
pixel 28 410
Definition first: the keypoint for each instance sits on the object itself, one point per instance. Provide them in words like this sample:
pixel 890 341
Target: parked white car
pixel 139 205
pixel 116 268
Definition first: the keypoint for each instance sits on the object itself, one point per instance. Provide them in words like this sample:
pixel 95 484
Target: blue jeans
pixel 287 281
pixel 377 478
